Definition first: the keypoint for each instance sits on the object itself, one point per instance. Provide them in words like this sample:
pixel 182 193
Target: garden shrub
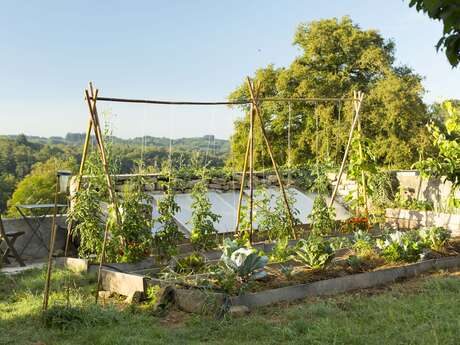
pixel 281 251
pixel 275 220
pixel 134 236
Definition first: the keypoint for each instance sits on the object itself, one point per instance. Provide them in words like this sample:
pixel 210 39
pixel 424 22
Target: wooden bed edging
pixel 343 284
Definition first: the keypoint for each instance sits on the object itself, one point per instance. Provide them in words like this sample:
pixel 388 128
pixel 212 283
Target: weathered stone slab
pixel 199 301
pixel 74 264
pixel 122 283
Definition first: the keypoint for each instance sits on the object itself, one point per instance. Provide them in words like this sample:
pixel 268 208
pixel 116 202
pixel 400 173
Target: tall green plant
pixel 91 207
pixel 86 211
pixel 322 217
pixel 169 236
pixel 275 220
pixel 204 234
pixel 135 233
pixel 362 163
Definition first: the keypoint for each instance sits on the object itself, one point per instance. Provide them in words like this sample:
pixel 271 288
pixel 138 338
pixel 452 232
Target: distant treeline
pixel 19 153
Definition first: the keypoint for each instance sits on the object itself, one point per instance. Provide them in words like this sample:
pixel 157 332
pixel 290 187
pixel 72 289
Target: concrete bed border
pixel 129 283
pixel 343 284
pixel 202 302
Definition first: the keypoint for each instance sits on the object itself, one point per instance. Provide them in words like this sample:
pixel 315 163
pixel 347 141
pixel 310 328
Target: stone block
pixel 199 301
pixel 122 283
pixel 238 310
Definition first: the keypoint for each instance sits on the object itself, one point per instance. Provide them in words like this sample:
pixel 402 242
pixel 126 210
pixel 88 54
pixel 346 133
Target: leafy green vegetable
pixel 245 262
pixel 315 252
pixel 434 237
pixel 401 246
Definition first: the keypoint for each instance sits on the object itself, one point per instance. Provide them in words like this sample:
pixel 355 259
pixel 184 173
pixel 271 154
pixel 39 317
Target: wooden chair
pixel 9 239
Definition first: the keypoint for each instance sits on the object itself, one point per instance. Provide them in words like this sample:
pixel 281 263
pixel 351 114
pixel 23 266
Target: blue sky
pixel 181 50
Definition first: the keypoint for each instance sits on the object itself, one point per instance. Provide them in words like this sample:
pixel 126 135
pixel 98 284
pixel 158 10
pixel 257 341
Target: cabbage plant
pixel 245 262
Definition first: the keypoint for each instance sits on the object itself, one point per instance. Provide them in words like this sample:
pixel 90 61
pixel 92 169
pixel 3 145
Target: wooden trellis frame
pixel 92 96
pixel 357 101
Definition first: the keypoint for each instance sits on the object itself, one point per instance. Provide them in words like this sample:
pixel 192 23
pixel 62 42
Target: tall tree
pixel 337 57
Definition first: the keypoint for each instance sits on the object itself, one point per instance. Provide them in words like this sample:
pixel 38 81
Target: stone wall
pixel 34 247
pixel 408 219
pixel 155 182
pixel 434 189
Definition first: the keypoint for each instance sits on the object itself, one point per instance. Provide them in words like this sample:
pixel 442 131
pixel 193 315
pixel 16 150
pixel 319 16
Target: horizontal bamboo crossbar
pixel 240 102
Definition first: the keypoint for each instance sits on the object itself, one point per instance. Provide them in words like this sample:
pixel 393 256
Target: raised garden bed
pixel 276 288
pixel 285 281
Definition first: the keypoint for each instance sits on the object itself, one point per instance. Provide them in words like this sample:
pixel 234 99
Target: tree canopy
pixel 447 11
pixel 336 58
pixel 38 186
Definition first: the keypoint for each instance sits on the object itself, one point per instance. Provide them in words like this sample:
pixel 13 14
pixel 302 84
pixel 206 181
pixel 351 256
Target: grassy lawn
pixel 425 311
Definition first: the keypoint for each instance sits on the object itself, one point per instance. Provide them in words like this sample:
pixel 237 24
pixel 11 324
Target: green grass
pixel 422 312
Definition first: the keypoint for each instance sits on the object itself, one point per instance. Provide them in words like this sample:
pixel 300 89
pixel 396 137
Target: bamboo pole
pixel 112 194
pixel 363 175
pixel 98 133
pixel 243 180
pixel 51 248
pixel 239 102
pixel 270 151
pixel 102 259
pixel 251 174
pixel 357 100
pixel 245 165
